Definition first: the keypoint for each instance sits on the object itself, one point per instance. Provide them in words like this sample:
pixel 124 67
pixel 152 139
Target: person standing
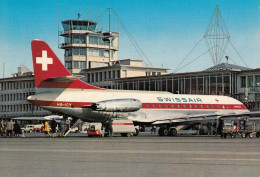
pixel 17 129
pixel 2 128
pixel 46 128
pixel 210 127
pixel 62 127
pixel 9 128
pixel 53 127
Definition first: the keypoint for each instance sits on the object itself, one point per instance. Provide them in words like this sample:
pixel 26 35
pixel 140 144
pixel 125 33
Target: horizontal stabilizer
pixel 63 79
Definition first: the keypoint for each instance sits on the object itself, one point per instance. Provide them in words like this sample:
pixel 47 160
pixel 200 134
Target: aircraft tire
pixel 165 132
pixel 257 134
pixel 225 135
pixel 136 132
pixel 160 131
pixel 173 132
pixel 243 135
pixel 233 135
pixel 250 135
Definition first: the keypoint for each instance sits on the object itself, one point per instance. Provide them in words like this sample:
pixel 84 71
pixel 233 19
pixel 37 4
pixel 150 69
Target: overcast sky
pixel 165 30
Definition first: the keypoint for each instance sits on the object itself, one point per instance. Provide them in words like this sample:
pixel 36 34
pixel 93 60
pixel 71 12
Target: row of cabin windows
pixel 186 106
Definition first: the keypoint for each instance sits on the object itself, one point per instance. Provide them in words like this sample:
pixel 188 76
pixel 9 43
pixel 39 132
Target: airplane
pixel 58 91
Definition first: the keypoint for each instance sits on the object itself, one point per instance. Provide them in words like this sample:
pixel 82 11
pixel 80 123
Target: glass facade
pixel 78 25
pixel 212 84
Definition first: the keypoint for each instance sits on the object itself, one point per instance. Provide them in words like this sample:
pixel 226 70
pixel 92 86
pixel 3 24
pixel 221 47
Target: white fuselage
pixel 155 105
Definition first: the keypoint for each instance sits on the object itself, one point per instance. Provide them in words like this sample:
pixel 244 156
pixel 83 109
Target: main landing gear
pixel 167 131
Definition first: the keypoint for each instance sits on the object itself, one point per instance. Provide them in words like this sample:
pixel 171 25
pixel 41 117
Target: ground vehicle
pixel 228 128
pixel 96 129
pixel 248 129
pixel 38 128
pixel 28 128
pixel 124 127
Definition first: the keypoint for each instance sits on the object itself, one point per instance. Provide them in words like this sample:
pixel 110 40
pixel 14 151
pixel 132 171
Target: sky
pixel 166 31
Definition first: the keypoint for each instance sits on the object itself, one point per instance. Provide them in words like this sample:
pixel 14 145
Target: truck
pixel 228 128
pixel 124 127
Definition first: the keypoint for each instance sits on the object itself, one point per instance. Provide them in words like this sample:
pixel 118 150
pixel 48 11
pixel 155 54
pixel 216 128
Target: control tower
pixel 86 48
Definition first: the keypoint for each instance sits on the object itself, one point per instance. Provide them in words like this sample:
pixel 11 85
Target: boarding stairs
pixel 73 126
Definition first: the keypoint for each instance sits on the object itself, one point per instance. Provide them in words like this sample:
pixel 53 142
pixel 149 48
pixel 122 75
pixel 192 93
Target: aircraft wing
pixel 39 118
pixel 205 118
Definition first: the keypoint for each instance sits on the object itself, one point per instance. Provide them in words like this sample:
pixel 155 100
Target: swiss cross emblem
pixel 44 60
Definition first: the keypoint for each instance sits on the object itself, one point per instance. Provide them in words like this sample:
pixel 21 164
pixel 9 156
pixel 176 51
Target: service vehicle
pixel 124 127
pixel 248 129
pixel 38 128
pixel 228 128
pixel 96 129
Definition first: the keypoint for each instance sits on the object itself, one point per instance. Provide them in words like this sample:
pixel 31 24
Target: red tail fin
pixel 49 72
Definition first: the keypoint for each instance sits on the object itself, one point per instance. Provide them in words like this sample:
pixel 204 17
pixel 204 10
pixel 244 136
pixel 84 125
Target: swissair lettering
pixel 179 100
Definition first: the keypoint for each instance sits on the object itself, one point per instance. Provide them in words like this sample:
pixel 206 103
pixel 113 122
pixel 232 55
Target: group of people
pixel 10 129
pixel 52 129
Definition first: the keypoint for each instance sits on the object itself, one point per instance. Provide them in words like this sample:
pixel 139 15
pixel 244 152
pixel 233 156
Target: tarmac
pixel 145 155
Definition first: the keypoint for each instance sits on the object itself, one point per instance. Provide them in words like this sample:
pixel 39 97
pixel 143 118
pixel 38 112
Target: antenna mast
pixel 217 37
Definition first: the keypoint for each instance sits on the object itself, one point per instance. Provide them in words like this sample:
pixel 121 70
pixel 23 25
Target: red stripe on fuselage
pixel 192 106
pixel 122 123
pixel 147 106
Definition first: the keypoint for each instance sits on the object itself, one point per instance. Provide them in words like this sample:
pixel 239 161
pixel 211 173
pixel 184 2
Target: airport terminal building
pixel 13 93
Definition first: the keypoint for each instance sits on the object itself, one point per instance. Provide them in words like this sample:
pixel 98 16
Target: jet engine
pixel 117 105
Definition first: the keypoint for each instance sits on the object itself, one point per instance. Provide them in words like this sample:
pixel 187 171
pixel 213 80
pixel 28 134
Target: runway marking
pixel 223 159
pixel 114 151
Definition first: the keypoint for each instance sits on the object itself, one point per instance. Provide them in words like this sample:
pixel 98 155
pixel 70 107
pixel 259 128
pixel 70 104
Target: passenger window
pixel 196 106
pixel 218 107
pixel 185 106
pixel 208 106
pixel 190 106
pixel 179 106
pixel 147 105
pixel 160 106
pixel 167 106
pixel 202 106
pixel 154 105
pixel 213 107
pixel 173 106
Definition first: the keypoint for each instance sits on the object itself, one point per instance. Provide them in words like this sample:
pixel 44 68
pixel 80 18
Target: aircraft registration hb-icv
pixel 57 90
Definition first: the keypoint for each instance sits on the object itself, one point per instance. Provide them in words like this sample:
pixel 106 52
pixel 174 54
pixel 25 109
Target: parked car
pixel 28 128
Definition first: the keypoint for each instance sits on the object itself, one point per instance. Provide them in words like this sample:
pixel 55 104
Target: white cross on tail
pixel 44 60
